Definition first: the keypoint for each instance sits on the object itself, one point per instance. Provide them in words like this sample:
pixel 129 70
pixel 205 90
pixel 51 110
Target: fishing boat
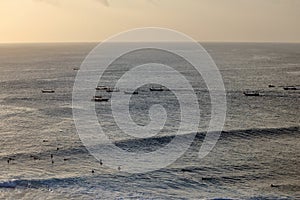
pixel 48 91
pixel 97 97
pixel 252 93
pixel 112 90
pixel 131 93
pixel 102 87
pixel 157 89
pixel 100 99
pixel 290 88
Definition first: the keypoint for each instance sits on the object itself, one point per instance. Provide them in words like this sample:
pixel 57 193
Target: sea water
pixel 258 148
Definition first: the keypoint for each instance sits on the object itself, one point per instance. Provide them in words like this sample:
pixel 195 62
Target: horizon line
pixel 94 42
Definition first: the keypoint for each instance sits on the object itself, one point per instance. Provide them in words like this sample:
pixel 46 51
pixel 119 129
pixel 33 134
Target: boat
pixel 131 93
pixel 271 86
pixel 112 90
pixel 157 89
pixel 252 93
pixel 97 97
pixel 102 87
pixel 48 91
pixel 290 88
pixel 100 99
pixel 76 68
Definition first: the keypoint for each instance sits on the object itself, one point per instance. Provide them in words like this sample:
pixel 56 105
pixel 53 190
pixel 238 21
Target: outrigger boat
pixel 112 90
pixel 133 93
pixel 48 91
pixel 252 93
pixel 157 89
pixel 100 99
pixel 102 88
pixel 290 88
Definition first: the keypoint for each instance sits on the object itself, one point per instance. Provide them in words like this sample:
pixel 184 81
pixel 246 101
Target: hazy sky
pixel 95 20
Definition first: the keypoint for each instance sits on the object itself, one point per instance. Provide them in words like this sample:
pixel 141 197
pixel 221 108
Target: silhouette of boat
pixel 102 88
pixel 157 89
pixel 48 91
pixel 252 93
pixel 132 93
pixel 271 86
pixel 290 88
pixel 101 99
pixel 112 90
pixel 97 97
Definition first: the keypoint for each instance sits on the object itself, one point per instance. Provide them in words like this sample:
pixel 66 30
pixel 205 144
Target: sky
pixel 96 20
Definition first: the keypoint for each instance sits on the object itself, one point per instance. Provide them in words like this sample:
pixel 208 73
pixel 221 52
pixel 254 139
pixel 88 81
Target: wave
pixel 8 184
pixel 150 144
pixel 39 183
pixel 154 143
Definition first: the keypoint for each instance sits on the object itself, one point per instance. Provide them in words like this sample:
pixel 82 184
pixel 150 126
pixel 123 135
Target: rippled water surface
pixel 258 148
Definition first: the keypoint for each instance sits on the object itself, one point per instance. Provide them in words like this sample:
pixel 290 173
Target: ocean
pixel 256 157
